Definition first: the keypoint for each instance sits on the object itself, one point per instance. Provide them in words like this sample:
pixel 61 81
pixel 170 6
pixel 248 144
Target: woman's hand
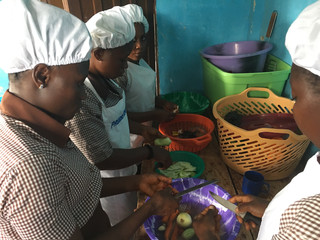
pixel 152 183
pixel 161 115
pixel 248 203
pixel 163 202
pixel 207 224
pixel 166 105
pixel 162 156
pixel 150 134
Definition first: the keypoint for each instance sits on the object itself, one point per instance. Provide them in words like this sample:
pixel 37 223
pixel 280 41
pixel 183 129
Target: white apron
pixel 116 123
pixel 140 93
pixel 305 184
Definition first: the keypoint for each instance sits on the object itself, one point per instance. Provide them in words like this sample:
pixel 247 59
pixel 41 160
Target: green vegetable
pixel 184 219
pixel 188 233
pixel 179 169
pixel 162 228
pixel 162 141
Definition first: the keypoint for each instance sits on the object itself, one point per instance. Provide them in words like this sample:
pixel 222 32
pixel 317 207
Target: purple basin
pixel 238 57
pixel 198 200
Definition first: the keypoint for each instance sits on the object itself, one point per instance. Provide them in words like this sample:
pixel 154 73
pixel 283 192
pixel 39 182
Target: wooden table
pixel 228 179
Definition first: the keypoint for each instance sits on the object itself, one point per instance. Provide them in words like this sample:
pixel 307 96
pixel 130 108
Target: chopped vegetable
pixel 162 227
pixel 184 219
pixel 176 110
pixel 179 169
pixel 162 141
pixel 188 233
pixel 170 225
pixel 190 133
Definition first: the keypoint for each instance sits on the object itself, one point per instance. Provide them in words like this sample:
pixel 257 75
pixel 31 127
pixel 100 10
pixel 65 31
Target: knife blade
pixel 179 194
pixel 246 216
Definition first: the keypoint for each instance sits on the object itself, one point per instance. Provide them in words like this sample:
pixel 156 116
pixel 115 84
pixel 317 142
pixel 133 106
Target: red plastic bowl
pixel 187 122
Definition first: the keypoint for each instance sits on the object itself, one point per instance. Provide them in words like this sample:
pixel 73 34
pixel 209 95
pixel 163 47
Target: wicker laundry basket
pixel 244 150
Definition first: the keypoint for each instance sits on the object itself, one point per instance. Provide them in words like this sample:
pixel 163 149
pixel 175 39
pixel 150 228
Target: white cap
pixel 34 32
pixel 136 14
pixel 303 39
pixel 111 28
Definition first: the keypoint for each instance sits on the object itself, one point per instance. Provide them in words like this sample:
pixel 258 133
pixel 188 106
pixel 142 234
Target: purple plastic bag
pixel 198 200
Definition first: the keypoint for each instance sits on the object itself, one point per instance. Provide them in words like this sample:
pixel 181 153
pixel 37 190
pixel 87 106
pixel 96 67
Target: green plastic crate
pixel 218 84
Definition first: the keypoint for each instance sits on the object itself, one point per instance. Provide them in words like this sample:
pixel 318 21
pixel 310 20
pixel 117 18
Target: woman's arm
pixel 147 183
pixel 166 105
pixel 121 158
pixel 162 203
pixel 158 115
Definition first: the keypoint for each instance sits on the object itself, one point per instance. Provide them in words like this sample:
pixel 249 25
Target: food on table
pixel 162 141
pixel 188 233
pixel 179 169
pixel 184 219
pixel 171 231
pixel 177 225
pixel 190 133
pixel 162 227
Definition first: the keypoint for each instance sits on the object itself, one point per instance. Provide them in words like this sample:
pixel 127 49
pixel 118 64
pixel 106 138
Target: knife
pixel 246 216
pixel 179 194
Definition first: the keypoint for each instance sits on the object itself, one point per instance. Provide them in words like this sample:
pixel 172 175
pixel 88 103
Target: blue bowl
pixel 198 200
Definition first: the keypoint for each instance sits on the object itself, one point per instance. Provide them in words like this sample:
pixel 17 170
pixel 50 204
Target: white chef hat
pixel 34 32
pixel 303 39
pixel 111 28
pixel 136 14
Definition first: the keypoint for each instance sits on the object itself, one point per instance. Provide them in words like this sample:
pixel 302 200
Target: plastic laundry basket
pixel 244 150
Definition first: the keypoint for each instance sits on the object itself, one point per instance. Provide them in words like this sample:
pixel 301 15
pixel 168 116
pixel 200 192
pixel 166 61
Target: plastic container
pixel 192 158
pixel 197 201
pixel 239 56
pixel 187 122
pixel 189 102
pixel 218 84
pixel 244 150
pixel 270 120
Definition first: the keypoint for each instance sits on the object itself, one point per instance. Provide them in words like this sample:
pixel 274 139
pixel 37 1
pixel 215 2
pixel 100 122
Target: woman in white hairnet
pixel 294 213
pixel 101 129
pixel 139 80
pixel 48 189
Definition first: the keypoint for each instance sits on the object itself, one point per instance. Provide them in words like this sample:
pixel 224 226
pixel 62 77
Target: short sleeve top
pixel 88 131
pixel 46 191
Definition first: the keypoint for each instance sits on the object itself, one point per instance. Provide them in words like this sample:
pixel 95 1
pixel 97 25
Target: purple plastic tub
pixel 198 200
pixel 238 57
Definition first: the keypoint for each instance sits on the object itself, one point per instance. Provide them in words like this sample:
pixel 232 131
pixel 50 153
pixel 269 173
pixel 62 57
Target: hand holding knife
pixel 246 216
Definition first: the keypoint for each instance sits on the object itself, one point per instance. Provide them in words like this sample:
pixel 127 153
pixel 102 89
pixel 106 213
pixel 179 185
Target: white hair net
pixel 111 28
pixel 303 39
pixel 34 32
pixel 136 14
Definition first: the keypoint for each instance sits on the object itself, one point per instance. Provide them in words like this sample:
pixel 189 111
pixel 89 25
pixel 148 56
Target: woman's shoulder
pixel 301 220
